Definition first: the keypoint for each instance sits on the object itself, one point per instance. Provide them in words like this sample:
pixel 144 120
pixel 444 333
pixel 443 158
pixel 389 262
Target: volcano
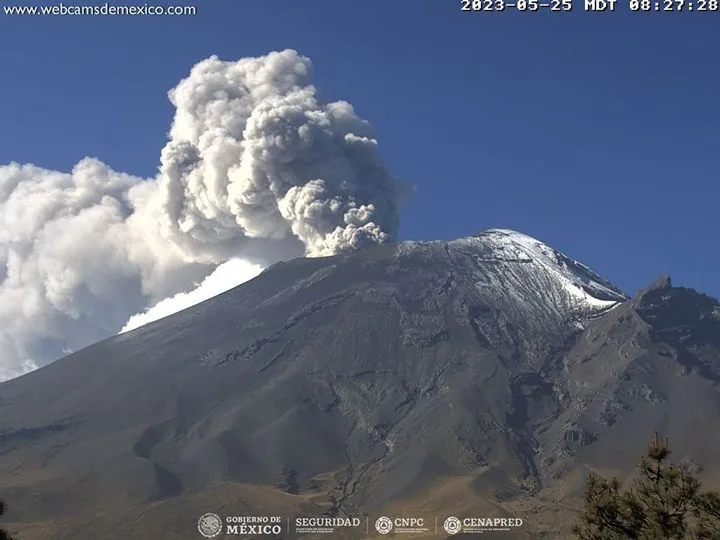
pixel 483 376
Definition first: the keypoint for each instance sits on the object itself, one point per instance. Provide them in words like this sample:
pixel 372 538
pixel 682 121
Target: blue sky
pixel 597 133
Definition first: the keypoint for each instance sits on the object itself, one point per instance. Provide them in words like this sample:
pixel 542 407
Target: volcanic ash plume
pixel 256 170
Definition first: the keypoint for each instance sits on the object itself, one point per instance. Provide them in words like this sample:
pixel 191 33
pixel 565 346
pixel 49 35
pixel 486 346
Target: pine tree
pixel 4 535
pixel 666 502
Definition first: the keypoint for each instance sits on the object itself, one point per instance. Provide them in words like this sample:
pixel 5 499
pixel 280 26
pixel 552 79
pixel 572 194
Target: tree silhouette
pixel 4 535
pixel 666 502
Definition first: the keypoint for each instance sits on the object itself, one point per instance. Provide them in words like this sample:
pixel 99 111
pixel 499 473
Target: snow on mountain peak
pixel 510 248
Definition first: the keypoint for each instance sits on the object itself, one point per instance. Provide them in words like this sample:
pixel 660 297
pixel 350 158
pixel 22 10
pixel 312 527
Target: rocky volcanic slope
pixel 484 374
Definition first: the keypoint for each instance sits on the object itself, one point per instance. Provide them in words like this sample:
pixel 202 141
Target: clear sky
pixel 596 133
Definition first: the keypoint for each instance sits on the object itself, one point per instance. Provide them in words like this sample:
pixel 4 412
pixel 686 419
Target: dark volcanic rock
pixel 361 381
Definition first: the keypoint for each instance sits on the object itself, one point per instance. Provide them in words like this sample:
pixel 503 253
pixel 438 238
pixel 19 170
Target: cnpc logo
pixel 385 525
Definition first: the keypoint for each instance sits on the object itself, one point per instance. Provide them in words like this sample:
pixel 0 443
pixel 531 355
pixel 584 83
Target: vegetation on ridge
pixel 666 501
pixel 4 535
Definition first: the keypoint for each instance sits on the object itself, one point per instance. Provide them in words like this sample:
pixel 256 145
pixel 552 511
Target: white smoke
pixel 226 276
pixel 257 170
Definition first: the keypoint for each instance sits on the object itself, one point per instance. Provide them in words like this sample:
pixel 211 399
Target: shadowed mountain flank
pixel 489 372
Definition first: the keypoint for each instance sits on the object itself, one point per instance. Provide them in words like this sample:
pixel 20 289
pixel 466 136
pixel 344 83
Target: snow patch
pixel 575 278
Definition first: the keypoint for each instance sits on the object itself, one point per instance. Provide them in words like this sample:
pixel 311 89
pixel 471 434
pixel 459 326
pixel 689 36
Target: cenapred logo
pixel 479 525
pixel 452 525
pixel 210 525
pixel 384 525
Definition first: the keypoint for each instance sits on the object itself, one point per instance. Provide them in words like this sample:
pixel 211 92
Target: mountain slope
pixel 364 382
